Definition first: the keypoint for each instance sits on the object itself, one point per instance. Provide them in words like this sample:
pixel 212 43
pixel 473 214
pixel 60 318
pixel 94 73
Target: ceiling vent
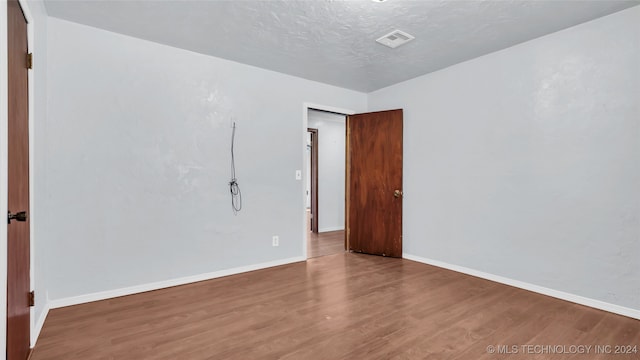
pixel 395 39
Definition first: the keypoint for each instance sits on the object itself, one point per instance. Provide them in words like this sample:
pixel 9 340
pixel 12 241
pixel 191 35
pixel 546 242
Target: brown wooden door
pixel 18 323
pixel 374 183
pixel 314 179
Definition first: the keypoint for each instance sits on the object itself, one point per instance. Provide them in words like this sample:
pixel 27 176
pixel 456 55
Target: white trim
pixel 103 295
pixel 35 331
pixel 616 309
pixel 26 10
pixel 305 124
pixel 332 109
pixel 331 228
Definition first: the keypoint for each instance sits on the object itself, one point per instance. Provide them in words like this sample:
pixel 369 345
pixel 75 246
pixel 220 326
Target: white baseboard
pixel 35 333
pixel 616 309
pixel 327 229
pixel 109 294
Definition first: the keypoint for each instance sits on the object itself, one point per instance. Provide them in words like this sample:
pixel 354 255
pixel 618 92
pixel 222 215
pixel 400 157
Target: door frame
pixel 4 166
pixel 303 147
pixel 314 179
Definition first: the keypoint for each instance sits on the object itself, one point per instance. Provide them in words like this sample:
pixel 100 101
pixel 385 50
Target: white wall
pixel 137 166
pixel 525 163
pixel 331 168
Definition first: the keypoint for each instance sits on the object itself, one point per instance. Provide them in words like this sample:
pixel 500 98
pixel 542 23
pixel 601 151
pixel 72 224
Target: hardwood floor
pixel 344 306
pixel 324 243
pixel 327 243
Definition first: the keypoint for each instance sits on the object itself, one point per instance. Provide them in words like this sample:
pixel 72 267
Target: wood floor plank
pixel 326 243
pixel 342 306
pixel 323 243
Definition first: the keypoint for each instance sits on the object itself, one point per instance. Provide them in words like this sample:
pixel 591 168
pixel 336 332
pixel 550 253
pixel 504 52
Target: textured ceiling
pixel 334 41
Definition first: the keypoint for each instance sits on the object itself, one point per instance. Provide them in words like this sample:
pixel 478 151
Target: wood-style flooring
pixel 344 306
pixel 324 243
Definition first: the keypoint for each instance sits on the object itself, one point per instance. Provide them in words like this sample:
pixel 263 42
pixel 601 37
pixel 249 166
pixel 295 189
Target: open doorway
pixel 325 185
pixel 374 143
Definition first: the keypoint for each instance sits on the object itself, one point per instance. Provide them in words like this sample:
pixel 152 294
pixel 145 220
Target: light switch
pixel 298 174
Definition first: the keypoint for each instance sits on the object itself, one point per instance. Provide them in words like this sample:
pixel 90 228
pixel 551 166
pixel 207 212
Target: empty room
pixel 284 179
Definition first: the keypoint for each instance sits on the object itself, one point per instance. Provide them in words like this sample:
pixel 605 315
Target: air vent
pixel 395 39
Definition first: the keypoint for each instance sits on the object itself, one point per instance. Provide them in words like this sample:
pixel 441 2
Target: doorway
pixel 372 187
pixel 325 182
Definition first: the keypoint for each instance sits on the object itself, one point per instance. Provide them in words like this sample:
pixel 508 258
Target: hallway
pixel 325 243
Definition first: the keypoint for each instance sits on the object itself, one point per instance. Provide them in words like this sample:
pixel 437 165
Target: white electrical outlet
pixel 275 241
pixel 298 174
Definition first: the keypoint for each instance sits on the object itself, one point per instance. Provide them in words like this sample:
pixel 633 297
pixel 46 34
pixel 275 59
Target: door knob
pixel 19 216
pixel 397 194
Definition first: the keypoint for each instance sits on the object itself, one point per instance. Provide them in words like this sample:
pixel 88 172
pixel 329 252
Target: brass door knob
pixel 397 194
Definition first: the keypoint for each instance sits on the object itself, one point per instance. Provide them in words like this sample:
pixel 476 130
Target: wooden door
pixel 374 183
pixel 18 322
pixel 314 179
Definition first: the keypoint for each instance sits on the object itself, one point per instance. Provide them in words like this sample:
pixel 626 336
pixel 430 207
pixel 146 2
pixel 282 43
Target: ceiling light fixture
pixel 378 0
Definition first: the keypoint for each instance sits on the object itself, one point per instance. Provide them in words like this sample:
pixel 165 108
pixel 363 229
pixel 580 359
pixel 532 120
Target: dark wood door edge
pixel 314 179
pixel 347 179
